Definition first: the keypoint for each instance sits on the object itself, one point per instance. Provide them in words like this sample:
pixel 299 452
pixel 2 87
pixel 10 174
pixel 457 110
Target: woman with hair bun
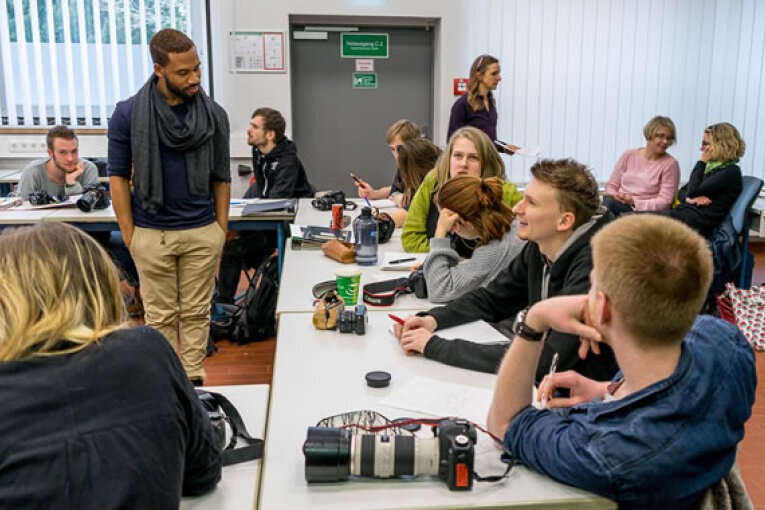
pixel 472 208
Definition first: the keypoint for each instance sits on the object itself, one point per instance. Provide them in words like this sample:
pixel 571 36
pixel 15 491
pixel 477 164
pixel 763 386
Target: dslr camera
pixel 353 321
pixel 334 455
pixel 328 199
pixel 217 418
pixel 94 197
pixel 42 197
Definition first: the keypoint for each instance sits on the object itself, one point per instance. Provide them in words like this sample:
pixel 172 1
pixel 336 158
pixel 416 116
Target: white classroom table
pixel 239 482
pixel 305 267
pixel 321 373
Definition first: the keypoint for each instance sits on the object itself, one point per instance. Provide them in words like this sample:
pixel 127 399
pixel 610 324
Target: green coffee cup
pixel 348 282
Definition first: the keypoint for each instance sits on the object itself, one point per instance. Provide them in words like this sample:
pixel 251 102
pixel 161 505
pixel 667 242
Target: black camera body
pixel 42 197
pixel 449 456
pixel 353 321
pixel 385 226
pixel 328 199
pixel 456 444
pixel 93 197
pixel 217 418
pixel 416 282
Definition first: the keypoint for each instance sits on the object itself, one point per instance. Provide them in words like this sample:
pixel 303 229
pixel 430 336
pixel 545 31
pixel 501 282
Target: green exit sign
pixel 363 45
pixel 364 80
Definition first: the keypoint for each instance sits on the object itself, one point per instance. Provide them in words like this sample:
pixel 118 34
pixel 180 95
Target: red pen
pixel 397 319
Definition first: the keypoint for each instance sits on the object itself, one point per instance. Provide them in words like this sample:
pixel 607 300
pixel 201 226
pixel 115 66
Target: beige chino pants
pixel 177 271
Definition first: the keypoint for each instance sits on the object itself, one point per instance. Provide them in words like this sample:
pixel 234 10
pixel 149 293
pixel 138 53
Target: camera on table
pixel 449 455
pixel 416 282
pixel 42 197
pixel 353 321
pixel 385 225
pixel 328 199
pixel 94 197
pixel 217 418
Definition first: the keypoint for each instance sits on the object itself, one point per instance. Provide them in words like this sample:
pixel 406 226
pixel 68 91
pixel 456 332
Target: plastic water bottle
pixel 365 234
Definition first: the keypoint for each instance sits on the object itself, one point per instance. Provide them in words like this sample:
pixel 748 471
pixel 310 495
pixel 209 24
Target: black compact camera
pixel 416 282
pixel 449 455
pixel 353 321
pixel 93 197
pixel 330 198
pixel 42 197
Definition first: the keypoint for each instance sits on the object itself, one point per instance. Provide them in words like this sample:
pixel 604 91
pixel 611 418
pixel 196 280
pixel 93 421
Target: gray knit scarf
pixel 203 137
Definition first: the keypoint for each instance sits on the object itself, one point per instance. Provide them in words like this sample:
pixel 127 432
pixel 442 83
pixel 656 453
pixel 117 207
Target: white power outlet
pixel 26 146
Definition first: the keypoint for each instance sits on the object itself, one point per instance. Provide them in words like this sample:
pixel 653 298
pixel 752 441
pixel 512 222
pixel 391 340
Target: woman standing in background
pixel 477 108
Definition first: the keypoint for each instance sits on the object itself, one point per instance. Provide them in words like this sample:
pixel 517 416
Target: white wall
pixel 241 94
pixel 581 77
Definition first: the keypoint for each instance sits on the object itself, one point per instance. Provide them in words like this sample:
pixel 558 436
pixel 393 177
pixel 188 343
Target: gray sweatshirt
pixel 448 278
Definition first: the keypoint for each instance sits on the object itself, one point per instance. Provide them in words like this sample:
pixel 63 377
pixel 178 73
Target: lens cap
pixel 377 379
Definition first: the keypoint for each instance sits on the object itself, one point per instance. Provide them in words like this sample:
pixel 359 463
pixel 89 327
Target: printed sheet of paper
pixel 440 398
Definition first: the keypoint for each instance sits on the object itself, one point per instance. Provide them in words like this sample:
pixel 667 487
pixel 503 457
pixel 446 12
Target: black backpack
pixel 253 317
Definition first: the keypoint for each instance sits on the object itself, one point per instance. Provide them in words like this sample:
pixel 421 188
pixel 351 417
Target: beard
pixel 178 91
pixel 64 168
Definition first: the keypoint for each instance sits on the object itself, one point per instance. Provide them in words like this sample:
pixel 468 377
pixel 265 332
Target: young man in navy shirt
pixel 172 141
pixel 666 427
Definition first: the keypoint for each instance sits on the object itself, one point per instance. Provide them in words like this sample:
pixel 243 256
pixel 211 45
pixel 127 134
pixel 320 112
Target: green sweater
pixel 414 237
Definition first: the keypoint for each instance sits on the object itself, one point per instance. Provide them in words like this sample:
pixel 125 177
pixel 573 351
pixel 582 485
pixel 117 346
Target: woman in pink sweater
pixel 645 179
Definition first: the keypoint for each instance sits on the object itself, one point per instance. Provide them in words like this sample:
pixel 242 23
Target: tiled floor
pixel 253 364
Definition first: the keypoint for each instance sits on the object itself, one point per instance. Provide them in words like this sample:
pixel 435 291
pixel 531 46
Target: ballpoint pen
pixel 396 318
pixel 368 203
pixel 553 368
pixel 399 261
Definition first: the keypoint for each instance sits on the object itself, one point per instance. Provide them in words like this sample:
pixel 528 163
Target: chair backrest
pixel 750 189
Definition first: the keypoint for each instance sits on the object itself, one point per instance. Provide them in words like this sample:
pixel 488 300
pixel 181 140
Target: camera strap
pixel 384 293
pixel 231 454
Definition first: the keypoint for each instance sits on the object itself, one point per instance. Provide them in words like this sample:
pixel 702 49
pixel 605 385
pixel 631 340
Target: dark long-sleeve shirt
pixel 463 115
pixel 117 425
pixel 721 186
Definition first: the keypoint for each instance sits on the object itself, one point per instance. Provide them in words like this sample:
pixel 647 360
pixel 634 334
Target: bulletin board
pixel 257 52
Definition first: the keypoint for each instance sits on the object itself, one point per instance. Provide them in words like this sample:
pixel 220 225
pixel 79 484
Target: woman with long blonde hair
pixel 471 208
pixel 469 152
pixel 95 414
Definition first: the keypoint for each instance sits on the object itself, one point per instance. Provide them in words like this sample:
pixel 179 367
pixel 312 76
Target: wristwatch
pixel 523 330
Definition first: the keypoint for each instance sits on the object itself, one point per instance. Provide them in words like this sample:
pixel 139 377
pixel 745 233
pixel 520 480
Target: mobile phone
pixel 355 178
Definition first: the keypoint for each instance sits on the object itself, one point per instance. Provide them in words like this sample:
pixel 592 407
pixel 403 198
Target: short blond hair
pixel 59 291
pixel 491 164
pixel 727 144
pixel 656 272
pixel 405 129
pixel 656 123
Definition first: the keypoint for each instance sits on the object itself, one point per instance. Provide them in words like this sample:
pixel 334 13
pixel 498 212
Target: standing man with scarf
pixel 172 140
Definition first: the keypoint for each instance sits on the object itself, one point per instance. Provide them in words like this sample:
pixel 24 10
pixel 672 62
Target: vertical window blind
pixel 70 61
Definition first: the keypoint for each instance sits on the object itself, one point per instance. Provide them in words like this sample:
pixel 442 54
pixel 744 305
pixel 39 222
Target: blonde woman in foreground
pixel 95 414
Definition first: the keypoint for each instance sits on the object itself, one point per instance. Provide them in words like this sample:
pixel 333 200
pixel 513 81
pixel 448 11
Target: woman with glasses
pixel 469 152
pixel 715 182
pixel 645 179
pixel 95 414
pixel 477 108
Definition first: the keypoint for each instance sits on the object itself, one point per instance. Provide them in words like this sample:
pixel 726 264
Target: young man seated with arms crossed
pixel 558 215
pixel 667 426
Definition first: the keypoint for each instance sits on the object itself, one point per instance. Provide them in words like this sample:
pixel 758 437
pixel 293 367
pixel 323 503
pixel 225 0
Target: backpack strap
pixel 231 454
